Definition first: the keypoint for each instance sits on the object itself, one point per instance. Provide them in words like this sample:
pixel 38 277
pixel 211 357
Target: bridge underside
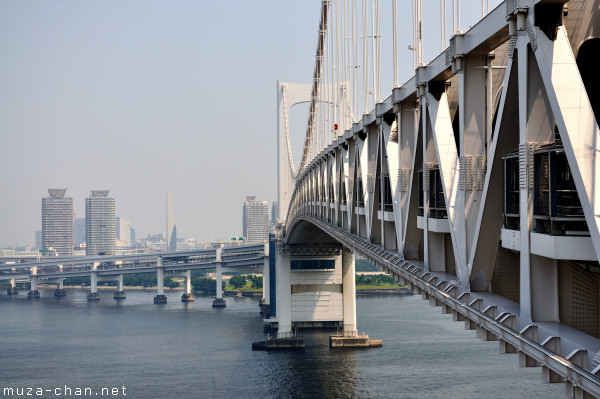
pixel 306 234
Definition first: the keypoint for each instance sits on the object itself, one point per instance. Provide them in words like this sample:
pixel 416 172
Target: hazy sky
pixel 142 97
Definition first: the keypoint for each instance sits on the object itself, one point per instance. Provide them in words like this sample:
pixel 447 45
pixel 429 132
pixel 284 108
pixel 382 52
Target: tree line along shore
pixel 368 279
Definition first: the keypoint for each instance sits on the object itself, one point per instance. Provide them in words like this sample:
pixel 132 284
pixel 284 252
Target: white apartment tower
pixel 256 220
pixel 123 231
pixel 57 222
pixel 100 232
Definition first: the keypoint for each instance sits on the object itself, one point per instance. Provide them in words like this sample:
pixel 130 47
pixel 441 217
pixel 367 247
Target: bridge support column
pixel 93 295
pixel 60 290
pixel 265 302
pixel 120 293
pixel 349 293
pixel 350 338
pixel 284 296
pixel 33 291
pixel 187 296
pixel 160 290
pixel 219 302
pixel 12 288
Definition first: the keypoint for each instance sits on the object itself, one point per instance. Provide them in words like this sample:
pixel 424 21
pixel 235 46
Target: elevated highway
pixel 248 258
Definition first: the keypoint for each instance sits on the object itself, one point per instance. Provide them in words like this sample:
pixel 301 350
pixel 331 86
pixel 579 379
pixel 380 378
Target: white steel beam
pixel 575 121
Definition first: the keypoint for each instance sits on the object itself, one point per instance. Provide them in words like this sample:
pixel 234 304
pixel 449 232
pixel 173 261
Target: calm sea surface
pixel 56 346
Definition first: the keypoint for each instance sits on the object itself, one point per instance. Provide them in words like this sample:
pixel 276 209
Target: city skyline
pixel 132 97
pixel 78 233
pixel 143 98
pixel 124 231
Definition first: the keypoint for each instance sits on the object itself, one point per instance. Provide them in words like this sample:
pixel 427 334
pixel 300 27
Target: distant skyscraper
pixel 79 231
pixel 256 220
pixel 123 231
pixel 171 229
pixel 274 213
pixel 57 222
pixel 99 223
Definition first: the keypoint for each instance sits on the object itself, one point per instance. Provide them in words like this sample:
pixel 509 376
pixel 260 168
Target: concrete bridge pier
pixel 12 288
pixel 285 339
pixel 188 296
pixel 160 289
pixel 349 293
pixel 350 338
pixel 265 301
pixel 120 293
pixel 284 296
pixel 33 292
pixel 219 302
pixel 60 288
pixel 93 295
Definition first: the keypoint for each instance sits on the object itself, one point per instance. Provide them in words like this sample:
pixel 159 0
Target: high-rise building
pixel 123 231
pixel 256 220
pixel 79 231
pixel 57 222
pixel 171 229
pixel 100 232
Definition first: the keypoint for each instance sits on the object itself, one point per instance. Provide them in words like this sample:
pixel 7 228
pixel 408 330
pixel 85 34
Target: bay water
pixel 69 347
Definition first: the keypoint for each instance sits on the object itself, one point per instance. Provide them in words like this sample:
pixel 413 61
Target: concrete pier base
pixel 359 341
pixel 93 296
pixel 120 295
pixel 219 303
pixel 279 344
pixel 159 299
pixel 265 309
pixel 60 292
pixel 12 291
pixel 187 298
pixel 33 294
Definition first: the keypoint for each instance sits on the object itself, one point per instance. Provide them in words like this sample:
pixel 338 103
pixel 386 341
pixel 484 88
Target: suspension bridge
pixel 475 181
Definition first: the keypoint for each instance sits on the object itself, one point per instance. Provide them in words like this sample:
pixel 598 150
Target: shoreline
pixel 258 294
pixel 107 288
